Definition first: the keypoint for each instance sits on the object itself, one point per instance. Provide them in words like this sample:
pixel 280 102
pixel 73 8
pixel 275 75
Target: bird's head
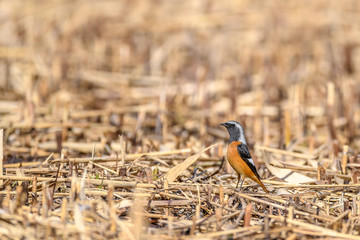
pixel 235 130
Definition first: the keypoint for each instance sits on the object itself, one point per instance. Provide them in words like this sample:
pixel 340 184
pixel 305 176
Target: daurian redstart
pixel 239 156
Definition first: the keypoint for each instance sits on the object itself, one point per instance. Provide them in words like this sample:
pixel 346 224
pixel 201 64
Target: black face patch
pixel 234 133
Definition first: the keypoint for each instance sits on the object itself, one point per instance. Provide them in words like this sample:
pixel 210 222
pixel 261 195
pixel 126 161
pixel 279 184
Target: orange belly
pixel 238 163
pixel 240 166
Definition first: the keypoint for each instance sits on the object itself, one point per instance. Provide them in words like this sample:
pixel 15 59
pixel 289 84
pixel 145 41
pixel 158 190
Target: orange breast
pixel 237 162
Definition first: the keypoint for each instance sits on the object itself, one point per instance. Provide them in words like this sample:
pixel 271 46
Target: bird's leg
pixel 242 183
pixel 238 181
pixel 243 179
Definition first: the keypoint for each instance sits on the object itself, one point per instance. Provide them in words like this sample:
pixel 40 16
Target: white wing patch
pixel 251 161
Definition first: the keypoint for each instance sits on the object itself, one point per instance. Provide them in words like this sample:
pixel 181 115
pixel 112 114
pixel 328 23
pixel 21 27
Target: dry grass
pixel 111 113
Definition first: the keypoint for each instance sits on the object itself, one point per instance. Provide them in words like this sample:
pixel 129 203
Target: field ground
pixel 110 113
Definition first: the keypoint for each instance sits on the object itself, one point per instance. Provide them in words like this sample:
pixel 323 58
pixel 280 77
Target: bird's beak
pixel 223 124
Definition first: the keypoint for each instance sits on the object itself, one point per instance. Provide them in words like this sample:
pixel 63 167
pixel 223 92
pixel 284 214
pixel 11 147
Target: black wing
pixel 246 156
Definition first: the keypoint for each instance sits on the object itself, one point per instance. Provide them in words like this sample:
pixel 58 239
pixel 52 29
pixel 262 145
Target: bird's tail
pixel 261 184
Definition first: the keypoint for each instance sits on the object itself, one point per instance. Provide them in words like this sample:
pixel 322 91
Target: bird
pixel 239 156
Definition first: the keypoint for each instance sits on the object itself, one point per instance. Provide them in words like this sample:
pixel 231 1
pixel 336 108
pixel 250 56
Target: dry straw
pixel 110 112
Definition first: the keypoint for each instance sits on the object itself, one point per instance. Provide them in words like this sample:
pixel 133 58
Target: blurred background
pixel 166 73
